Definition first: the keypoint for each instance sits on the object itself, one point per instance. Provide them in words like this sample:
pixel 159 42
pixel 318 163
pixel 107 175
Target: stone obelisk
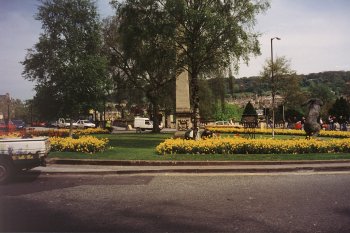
pixel 183 109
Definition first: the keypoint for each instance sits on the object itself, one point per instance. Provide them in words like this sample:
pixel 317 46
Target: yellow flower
pixel 239 145
pixel 85 144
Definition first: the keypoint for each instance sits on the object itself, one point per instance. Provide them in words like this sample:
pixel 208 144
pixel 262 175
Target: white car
pixel 65 123
pixel 85 124
pixel 222 123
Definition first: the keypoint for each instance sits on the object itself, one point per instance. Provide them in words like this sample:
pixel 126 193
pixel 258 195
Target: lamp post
pixel 273 89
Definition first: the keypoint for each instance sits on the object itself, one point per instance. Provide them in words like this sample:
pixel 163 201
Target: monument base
pixel 183 121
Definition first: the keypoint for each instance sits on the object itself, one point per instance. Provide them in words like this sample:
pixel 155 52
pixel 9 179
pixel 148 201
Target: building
pixel 4 106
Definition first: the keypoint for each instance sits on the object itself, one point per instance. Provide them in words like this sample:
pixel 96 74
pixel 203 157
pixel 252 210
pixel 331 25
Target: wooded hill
pixel 338 82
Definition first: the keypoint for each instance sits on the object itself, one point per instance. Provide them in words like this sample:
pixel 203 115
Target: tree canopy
pixel 66 63
pixel 212 35
pixel 143 50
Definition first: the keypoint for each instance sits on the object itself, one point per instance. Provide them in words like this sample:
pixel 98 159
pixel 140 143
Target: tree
pixel 340 109
pixel 218 86
pixel 231 83
pixel 211 35
pixel 232 112
pixel 249 110
pixel 66 63
pixel 323 92
pixel 286 83
pixel 142 49
pixel 207 104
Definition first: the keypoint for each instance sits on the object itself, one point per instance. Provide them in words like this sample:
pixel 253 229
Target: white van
pixel 143 123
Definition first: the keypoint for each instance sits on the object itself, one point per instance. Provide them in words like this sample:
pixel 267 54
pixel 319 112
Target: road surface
pixel 300 202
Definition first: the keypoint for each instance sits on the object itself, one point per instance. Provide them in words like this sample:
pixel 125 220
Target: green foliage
pixel 66 63
pixel 141 47
pixel 213 34
pixel 231 111
pixel 321 91
pixel 207 104
pixel 283 74
pixel 18 110
pixel 340 109
pixel 249 110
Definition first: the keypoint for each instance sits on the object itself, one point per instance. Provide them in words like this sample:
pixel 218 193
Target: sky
pixel 315 37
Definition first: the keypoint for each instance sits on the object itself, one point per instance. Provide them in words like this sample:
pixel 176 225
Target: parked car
pixel 52 124
pixel 19 124
pixel 222 123
pixel 65 123
pixel 38 124
pixel 84 124
pixel 7 127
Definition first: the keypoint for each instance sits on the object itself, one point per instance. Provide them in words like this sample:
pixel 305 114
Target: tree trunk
pixel 195 102
pixel 155 112
pixel 71 127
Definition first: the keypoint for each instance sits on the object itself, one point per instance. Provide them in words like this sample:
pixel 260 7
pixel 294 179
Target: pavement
pixel 105 167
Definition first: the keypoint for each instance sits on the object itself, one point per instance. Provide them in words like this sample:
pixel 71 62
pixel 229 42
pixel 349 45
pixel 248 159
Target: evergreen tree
pixel 340 108
pixel 249 110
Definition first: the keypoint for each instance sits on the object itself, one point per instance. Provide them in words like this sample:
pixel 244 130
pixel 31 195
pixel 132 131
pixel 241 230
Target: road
pixel 300 202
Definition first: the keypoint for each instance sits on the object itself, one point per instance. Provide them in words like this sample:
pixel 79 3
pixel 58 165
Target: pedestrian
pixel 331 122
pixel 302 122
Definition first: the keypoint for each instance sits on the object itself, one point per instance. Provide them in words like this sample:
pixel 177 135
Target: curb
pixel 201 171
pixel 185 163
pixel 128 167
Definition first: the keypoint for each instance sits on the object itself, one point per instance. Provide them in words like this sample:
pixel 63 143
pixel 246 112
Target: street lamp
pixel 273 84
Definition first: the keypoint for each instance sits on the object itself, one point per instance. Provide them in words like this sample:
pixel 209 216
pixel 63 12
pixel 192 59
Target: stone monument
pixel 311 126
pixel 183 108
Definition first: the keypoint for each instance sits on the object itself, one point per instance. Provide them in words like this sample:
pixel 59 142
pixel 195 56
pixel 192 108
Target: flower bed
pixel 84 144
pixel 65 132
pixel 323 133
pixel 239 145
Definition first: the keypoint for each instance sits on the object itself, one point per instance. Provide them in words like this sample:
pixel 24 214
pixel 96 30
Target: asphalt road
pixel 303 202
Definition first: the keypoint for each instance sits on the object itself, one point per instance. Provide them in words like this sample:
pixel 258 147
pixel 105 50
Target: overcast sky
pixel 315 36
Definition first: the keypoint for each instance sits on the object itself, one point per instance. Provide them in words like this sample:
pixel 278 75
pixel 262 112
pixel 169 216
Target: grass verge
pixel 132 146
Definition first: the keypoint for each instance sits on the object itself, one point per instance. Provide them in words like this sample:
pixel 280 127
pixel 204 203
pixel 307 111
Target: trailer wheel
pixel 6 171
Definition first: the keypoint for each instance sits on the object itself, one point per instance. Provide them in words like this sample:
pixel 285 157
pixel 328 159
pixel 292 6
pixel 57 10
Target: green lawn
pixel 133 146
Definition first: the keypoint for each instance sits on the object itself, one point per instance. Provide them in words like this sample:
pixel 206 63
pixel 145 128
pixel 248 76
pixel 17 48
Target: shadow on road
pixel 34 181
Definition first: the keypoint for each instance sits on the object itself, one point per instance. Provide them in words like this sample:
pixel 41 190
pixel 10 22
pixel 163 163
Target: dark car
pixel 19 124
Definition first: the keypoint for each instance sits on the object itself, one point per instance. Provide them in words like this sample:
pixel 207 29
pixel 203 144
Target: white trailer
pixel 21 153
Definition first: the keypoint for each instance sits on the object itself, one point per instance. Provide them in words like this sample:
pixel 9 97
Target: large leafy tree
pixel 66 63
pixel 141 48
pixel 213 34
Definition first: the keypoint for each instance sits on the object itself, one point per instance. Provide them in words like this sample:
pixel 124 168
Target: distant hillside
pixel 337 81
